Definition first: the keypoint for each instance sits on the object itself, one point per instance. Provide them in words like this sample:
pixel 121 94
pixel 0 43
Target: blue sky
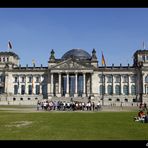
pixel 33 32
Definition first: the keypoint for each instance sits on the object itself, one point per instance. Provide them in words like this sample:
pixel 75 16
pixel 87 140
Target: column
pixel 33 85
pixel 59 83
pixel 67 85
pixel 6 83
pixel 84 85
pixel 76 85
pixel 59 86
pixel 26 85
pixel 113 84
pixel 91 83
pixel 19 85
pixel 51 86
pixel 129 85
pixel 121 84
pixel 41 84
pixel 105 84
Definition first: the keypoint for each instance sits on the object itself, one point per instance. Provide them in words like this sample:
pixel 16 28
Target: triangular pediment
pixel 71 64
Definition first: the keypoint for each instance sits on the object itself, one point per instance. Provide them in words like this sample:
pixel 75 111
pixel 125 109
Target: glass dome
pixel 77 54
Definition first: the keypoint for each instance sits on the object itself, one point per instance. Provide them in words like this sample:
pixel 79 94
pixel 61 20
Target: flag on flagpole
pixel 9 45
pixel 103 60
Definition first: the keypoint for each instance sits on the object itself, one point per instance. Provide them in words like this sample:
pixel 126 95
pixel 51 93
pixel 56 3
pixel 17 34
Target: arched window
pixel 109 79
pixel 102 78
pixel 15 89
pixel 110 89
pixel 117 90
pixel 146 79
pixel 125 90
pixel 23 89
pixel 133 78
pixel 29 89
pixel 125 78
pixel 37 89
pixel 133 90
pixel 117 79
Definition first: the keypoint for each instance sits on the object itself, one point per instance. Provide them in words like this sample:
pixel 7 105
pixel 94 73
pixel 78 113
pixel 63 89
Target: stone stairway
pixel 69 99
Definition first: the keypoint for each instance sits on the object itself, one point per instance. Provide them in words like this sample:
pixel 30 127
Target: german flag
pixel 103 60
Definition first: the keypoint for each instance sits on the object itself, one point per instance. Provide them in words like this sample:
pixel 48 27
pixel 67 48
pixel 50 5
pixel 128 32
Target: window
pixel 109 99
pixel 21 99
pixel 125 90
pixel 117 90
pixel 23 79
pixel 102 89
pixel 125 79
pixel 133 78
pixel 7 59
pixel 23 89
pixel 146 79
pixel 37 89
pixel 110 89
pixel 117 78
pixel 118 100
pixel 109 79
pixel 30 89
pixel 3 59
pixel 102 78
pixel 28 98
pixel 36 98
pixel 133 90
pixel 15 79
pixel 37 79
pixel 15 89
pixel 146 57
pixel 14 99
pixel 30 79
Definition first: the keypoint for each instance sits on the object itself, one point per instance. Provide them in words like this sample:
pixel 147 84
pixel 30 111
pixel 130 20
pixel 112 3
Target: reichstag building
pixel 76 75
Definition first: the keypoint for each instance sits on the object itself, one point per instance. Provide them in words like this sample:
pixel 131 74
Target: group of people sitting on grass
pixel 142 116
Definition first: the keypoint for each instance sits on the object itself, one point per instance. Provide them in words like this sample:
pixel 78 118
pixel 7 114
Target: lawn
pixel 71 126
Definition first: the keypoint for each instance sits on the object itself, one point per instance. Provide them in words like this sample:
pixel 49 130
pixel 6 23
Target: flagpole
pixel 103 85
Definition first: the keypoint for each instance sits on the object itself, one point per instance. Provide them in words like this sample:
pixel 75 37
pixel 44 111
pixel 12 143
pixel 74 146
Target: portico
pixel 70 84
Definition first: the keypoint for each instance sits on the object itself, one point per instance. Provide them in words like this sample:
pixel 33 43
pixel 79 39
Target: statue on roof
pixel 94 57
pixel 52 56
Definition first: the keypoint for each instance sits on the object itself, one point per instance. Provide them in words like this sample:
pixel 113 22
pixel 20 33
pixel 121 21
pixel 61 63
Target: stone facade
pixel 76 75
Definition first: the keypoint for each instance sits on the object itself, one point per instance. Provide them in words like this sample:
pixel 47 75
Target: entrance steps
pixel 69 99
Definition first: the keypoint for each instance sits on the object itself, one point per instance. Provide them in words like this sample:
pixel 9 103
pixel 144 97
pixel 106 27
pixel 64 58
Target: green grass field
pixel 71 126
